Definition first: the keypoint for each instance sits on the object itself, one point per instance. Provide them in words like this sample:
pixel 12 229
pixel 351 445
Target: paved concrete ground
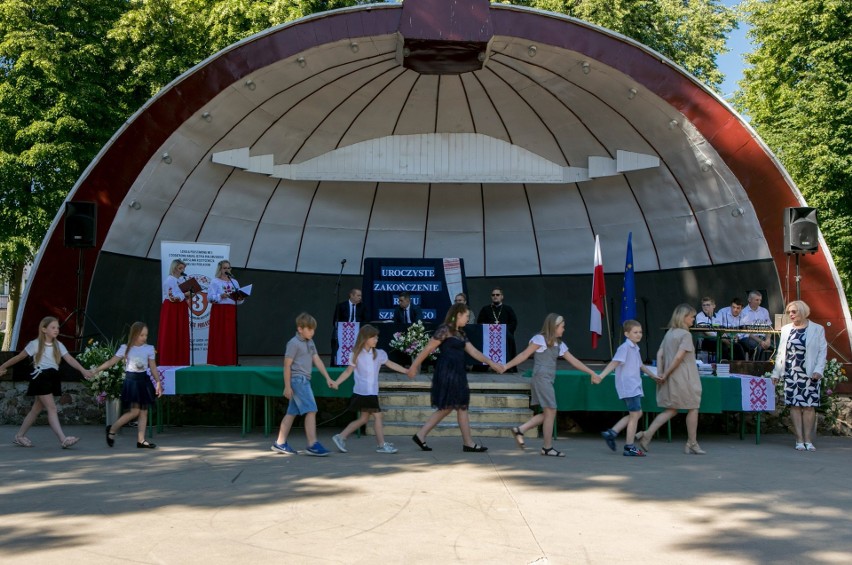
pixel 209 496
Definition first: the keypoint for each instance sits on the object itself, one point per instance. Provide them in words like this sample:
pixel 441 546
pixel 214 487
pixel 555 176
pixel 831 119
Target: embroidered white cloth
pixel 167 375
pixel 757 393
pixel 494 342
pixel 346 334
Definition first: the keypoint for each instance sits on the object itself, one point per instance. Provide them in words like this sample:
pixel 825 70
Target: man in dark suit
pixel 351 310
pixel 406 312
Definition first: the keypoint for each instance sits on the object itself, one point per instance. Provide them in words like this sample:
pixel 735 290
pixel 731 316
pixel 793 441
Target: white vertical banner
pixel 453 277
pixel 201 260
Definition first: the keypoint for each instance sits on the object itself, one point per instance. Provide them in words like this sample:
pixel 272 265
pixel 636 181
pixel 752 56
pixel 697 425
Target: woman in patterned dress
pixel 800 361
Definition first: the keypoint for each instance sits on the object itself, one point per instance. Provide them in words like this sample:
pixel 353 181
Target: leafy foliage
pixel 797 94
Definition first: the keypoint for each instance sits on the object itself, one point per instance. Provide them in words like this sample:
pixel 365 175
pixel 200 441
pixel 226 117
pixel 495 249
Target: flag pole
pixel 608 329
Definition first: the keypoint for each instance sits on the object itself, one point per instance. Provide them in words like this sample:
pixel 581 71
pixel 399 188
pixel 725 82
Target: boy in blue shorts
pixel 628 383
pixel 300 354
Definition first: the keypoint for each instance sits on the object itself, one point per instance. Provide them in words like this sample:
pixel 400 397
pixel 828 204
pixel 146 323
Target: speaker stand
pixel 798 279
pixel 79 313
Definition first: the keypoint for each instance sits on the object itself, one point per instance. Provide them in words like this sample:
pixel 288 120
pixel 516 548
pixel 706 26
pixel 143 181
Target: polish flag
pixel 598 294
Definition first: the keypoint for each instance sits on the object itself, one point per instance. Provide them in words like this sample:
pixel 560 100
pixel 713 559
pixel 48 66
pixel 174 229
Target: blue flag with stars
pixel 628 291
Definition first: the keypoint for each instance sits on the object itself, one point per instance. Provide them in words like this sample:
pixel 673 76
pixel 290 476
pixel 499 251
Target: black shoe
pixel 110 437
pixel 146 445
pixel 475 448
pixel 420 443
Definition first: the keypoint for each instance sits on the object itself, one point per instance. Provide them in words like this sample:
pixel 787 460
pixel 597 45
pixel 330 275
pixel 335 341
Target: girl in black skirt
pixel 366 362
pixel 138 393
pixel 47 354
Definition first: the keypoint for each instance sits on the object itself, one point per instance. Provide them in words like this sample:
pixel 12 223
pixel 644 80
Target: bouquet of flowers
pixel 412 341
pixel 106 384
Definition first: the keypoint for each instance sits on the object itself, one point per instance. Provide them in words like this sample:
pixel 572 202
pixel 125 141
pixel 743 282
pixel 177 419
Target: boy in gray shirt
pixel 299 357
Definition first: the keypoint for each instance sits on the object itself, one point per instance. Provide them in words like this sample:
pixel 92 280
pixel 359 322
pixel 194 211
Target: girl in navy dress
pixel 137 393
pixel 47 353
pixel 450 390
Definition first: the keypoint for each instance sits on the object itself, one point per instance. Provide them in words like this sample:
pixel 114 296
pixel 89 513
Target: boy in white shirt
pixel 627 363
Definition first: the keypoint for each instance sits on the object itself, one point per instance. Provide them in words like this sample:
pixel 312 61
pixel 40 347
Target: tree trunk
pixel 16 279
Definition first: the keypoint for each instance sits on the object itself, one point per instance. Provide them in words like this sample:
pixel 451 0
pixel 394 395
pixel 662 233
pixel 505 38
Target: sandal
pixel 800 446
pixel 809 446
pixel 420 443
pixel 519 437
pixel 551 452
pixel 69 441
pixel 22 441
pixel 475 448
pixel 110 437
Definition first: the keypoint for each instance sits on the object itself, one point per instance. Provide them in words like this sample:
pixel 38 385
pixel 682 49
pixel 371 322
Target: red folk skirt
pixel 222 343
pixel 173 334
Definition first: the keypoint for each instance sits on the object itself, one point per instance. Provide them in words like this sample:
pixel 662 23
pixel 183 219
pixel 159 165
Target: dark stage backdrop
pixel 126 289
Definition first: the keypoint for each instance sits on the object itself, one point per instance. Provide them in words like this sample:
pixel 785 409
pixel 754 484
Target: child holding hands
pixel 547 347
pixel 300 354
pixel 627 363
pixel 137 392
pixel 47 353
pixel 365 363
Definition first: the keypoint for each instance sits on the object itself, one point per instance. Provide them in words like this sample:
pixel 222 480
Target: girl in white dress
pixel 47 353
pixel 137 393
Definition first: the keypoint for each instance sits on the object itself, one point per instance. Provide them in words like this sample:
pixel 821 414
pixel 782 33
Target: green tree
pixel 798 97
pixel 56 111
pixel 691 33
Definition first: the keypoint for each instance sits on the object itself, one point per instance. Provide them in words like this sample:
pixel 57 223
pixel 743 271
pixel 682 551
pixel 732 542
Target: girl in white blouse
pixel 47 353
pixel 138 393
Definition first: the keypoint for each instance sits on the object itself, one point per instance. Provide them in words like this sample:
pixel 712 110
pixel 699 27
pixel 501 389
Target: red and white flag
pixel 598 294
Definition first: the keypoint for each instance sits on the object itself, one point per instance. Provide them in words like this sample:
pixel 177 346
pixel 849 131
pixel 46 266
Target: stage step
pixel 492 414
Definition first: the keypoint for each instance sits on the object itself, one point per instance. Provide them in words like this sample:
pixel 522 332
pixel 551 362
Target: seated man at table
pixel 731 317
pixel 406 312
pixel 758 346
pixel 707 317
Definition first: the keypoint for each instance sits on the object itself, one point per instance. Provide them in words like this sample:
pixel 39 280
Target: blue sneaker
pixel 283 448
pixel 633 451
pixel 317 450
pixel 609 436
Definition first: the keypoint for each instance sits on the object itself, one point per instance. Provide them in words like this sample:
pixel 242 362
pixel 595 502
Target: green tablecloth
pixel 575 392
pixel 256 381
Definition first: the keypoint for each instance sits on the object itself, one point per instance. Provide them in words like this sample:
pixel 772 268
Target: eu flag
pixel 628 291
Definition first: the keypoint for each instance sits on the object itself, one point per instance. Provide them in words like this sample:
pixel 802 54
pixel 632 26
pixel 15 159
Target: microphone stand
pixel 236 322
pixel 334 343
pixel 337 286
pixel 191 332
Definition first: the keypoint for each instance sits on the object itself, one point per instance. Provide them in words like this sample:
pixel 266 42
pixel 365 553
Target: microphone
pixel 228 274
pixel 342 262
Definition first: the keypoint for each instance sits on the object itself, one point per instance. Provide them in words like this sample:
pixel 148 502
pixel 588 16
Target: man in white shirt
pixel 708 318
pixel 758 345
pixel 731 317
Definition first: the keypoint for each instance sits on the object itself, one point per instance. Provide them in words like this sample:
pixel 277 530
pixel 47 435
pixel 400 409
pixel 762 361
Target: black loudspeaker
pixel 81 223
pixel 801 232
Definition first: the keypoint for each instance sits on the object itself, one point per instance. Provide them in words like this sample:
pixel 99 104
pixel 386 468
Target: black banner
pixel 424 279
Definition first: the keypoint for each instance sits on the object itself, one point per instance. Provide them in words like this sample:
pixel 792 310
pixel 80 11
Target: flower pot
pixel 113 410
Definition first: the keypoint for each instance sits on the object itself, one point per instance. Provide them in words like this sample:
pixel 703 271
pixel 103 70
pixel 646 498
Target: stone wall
pixel 75 406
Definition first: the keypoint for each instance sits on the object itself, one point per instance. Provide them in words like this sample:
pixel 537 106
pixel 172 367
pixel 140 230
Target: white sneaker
pixel 386 448
pixel 339 442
